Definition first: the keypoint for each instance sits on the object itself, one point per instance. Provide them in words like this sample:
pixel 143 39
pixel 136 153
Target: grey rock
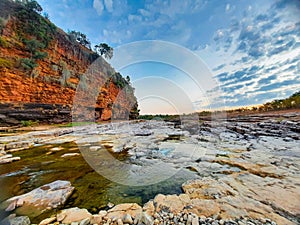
pixel 127 218
pixel 46 197
pixel 85 221
pixel 20 220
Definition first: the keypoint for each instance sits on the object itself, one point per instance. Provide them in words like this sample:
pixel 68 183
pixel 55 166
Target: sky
pixel 194 55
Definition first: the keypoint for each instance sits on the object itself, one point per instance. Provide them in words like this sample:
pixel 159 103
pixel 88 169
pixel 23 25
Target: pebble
pixel 164 218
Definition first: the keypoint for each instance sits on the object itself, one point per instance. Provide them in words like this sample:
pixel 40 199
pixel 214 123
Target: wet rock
pixel 20 220
pixel 8 158
pixel 46 197
pixel 70 155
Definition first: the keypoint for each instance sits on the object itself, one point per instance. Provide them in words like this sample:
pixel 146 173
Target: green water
pixel 92 191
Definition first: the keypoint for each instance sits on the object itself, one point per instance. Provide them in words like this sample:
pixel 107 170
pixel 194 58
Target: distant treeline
pixel 292 102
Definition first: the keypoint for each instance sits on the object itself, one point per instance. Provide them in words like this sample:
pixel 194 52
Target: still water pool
pixel 39 166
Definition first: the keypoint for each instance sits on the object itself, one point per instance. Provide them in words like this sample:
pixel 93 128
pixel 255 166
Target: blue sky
pixel 251 48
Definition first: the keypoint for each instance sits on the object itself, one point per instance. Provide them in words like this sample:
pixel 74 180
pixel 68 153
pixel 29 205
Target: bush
pixel 40 55
pixel 28 64
pixel 3 43
pixel 28 123
pixel 6 63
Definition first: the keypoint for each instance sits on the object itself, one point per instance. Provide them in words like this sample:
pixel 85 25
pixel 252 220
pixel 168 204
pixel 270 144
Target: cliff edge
pixel 42 67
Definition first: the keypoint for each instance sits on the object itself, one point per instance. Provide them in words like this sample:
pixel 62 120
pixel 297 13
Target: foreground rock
pixel 247 169
pixel 44 198
pixel 13 220
pixel 133 214
pixel 8 158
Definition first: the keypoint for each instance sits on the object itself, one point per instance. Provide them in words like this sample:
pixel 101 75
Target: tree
pixel 31 5
pixel 128 79
pixel 80 38
pixel 34 6
pixel 104 49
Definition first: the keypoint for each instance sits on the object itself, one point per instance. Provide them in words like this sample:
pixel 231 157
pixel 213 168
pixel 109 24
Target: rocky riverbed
pixel 245 170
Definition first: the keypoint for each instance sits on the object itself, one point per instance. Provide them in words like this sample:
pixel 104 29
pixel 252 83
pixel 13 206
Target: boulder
pixel 169 203
pixel 75 214
pixel 44 198
pixel 20 220
pixel 119 211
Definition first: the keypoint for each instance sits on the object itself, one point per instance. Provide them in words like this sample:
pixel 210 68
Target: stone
pixel 102 213
pixel 85 221
pixel 55 149
pixel 204 207
pixel 119 222
pixel 74 223
pixel 69 155
pixel 110 205
pixel 195 220
pixel 171 203
pixel 146 219
pixel 189 220
pixel 8 158
pixel 149 208
pixel 48 196
pixel 20 220
pixel 127 218
pixel 96 219
pixel 47 221
pixel 120 210
pixel 75 214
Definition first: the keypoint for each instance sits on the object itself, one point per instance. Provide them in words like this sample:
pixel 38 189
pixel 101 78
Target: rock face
pixel 46 197
pixel 43 88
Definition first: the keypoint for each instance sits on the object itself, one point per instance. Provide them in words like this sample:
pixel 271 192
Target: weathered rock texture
pixel 46 92
pixel 44 198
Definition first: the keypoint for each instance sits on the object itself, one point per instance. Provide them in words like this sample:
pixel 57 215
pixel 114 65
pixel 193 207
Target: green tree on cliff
pixel 80 38
pixel 31 5
pixel 104 50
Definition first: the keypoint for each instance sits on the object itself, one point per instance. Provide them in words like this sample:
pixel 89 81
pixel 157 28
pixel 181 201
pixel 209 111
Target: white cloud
pixel 108 5
pixel 227 7
pixel 98 6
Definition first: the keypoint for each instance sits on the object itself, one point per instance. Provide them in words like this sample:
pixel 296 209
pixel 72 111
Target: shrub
pixel 28 64
pixel 6 63
pixel 3 43
pixel 40 55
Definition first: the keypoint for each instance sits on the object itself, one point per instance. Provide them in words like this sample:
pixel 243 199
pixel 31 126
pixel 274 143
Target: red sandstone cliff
pixel 41 67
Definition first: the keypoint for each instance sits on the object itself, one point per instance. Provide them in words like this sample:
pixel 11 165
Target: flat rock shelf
pixel 224 172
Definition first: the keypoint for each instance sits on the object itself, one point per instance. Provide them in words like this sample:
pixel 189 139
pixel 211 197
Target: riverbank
pixel 244 168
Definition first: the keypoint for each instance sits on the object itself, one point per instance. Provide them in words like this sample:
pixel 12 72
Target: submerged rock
pixel 13 220
pixel 44 198
pixel 8 158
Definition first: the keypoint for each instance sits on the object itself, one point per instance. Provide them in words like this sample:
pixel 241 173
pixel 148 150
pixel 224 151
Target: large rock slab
pixel 44 198
pixel 75 214
pixel 119 211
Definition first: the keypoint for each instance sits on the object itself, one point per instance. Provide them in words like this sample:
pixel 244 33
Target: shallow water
pixel 39 166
